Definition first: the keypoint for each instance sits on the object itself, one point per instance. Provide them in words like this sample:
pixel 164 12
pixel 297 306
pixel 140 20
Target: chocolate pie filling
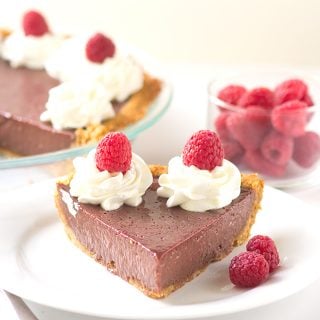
pixel 152 246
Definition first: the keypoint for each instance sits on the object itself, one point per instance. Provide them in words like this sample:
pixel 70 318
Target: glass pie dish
pixel 263 151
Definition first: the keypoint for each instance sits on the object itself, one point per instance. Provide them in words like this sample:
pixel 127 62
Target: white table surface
pixel 166 139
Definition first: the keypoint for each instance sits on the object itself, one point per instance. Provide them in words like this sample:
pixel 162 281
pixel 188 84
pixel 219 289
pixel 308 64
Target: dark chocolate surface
pixel 157 245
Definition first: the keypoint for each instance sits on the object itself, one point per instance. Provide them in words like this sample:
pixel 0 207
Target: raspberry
pixel 231 94
pixel 277 148
pixel 261 96
pixel 203 150
pixel 232 150
pixel 249 127
pixel 248 269
pixel 34 24
pixel 293 89
pixel 256 162
pixel 307 149
pixel 99 47
pixel 113 153
pixel 265 245
pixel 290 118
pixel 220 125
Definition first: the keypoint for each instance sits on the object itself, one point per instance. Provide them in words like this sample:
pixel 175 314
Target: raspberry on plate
pixel 113 153
pixel 257 162
pixel 248 269
pixel 231 94
pixel 307 149
pixel 34 24
pixel 261 96
pixel 265 246
pixel 290 118
pixel 249 127
pixel 293 89
pixel 99 47
pixel 203 150
pixel 277 148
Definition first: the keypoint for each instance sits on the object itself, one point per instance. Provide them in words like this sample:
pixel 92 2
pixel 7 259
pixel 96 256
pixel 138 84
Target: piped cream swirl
pixel 199 190
pixel 110 190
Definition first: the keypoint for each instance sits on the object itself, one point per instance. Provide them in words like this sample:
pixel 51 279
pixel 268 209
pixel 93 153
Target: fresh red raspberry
pixel 113 153
pixel 261 96
pixel 256 162
pixel 293 89
pixel 249 127
pixel 290 118
pixel 34 24
pixel 265 246
pixel 220 124
pixel 232 150
pixel 306 150
pixel 277 148
pixel 99 47
pixel 248 269
pixel 203 150
pixel 231 94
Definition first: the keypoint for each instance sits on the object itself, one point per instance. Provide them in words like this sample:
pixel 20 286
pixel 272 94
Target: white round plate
pixel 38 262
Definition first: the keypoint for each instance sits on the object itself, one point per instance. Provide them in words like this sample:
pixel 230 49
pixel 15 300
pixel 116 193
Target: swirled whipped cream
pixel 199 190
pixel 29 51
pixel 121 74
pixel 76 104
pixel 110 190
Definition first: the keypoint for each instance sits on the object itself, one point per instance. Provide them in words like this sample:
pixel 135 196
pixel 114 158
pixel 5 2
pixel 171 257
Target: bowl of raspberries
pixel 269 123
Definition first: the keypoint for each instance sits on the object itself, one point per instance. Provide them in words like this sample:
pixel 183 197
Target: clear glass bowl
pixel 263 143
pixel 15 172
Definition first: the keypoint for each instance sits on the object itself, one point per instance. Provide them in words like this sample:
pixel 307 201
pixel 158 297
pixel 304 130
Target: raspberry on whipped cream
pixel 111 190
pixel 34 24
pixel 33 45
pixel 120 73
pixel 196 189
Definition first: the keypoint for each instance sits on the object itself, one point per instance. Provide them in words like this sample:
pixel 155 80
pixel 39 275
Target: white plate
pixel 38 262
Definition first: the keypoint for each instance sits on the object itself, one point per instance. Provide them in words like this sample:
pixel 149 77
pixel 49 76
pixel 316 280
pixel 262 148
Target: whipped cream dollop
pixel 121 74
pixel 76 104
pixel 199 190
pixel 29 51
pixel 110 190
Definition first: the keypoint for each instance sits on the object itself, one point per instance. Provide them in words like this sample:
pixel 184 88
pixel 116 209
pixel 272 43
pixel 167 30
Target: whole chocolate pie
pixel 152 246
pixel 24 93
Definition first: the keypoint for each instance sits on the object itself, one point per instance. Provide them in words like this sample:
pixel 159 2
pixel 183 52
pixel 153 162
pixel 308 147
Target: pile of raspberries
pixel 270 128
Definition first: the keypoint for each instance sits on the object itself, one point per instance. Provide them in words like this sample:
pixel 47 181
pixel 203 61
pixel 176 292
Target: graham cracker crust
pixel 251 181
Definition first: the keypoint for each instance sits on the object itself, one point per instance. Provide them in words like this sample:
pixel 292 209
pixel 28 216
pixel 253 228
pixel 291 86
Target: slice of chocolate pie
pixel 124 222
pixel 74 118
